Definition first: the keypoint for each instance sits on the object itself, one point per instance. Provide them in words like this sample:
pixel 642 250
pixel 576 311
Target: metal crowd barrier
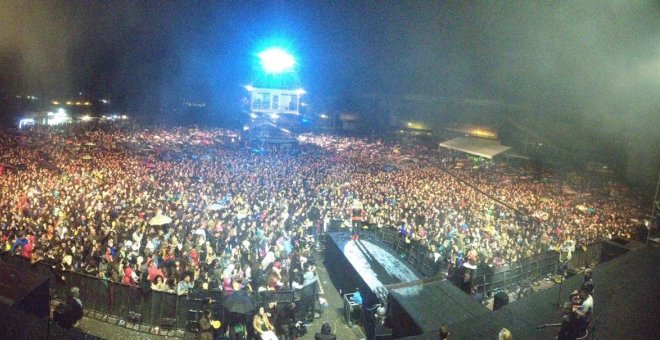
pixel 487 279
pixel 418 256
pixel 585 257
pixel 120 303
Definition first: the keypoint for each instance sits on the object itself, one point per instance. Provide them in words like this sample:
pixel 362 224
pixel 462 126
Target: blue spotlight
pixel 276 60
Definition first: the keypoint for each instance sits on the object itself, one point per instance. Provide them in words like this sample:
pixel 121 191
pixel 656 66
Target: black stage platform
pixel 627 291
pixel 367 264
pixel 420 308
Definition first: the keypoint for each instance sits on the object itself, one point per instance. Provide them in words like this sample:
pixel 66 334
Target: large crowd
pixel 92 198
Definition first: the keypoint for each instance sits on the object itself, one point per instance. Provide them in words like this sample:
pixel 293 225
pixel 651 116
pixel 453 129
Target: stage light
pixel 25 122
pixel 249 88
pixel 276 60
pixel 300 92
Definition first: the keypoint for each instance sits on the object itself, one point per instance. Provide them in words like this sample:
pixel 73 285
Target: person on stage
pixel 357 214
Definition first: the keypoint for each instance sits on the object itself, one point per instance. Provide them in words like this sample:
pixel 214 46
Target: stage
pixel 626 291
pixel 367 264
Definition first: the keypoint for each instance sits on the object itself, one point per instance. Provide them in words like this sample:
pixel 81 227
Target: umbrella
pixel 214 207
pixel 87 157
pixel 160 220
pixel 239 302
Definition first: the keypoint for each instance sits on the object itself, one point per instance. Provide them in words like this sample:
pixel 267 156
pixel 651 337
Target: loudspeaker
pixel 617 247
pixel 24 303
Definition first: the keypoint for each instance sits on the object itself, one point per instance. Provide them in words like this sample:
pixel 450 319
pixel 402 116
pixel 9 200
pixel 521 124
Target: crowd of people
pixel 84 197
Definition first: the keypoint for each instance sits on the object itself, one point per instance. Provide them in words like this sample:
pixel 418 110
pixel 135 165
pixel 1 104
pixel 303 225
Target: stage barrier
pixel 488 279
pixel 124 304
pixel 417 255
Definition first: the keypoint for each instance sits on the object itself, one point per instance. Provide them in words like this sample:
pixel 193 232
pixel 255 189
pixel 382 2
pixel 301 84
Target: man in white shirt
pixel 585 310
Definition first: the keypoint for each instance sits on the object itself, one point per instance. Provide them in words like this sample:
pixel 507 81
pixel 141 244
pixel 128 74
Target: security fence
pixel 417 255
pixel 128 305
pixel 487 279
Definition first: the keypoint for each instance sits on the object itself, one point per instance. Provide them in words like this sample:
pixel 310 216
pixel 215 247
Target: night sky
pixel 597 62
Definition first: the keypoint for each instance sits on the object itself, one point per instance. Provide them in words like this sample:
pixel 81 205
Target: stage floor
pixel 375 263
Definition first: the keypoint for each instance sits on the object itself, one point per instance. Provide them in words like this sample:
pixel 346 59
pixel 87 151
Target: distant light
pixel 25 122
pixel 124 117
pixel 324 116
pixel 60 112
pixel 285 130
pixel 250 88
pixel 253 116
pixel 87 103
pixel 274 116
pixel 55 102
pixel 410 124
pixel 300 92
pixel 77 103
pixel 86 118
pixel 105 101
pixel 245 128
pixel 69 103
pixel 276 60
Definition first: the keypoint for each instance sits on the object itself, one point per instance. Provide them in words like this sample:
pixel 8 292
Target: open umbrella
pixel 239 302
pixel 160 220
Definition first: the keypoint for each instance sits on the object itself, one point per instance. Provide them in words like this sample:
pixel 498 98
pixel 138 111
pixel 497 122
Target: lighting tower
pixel 274 99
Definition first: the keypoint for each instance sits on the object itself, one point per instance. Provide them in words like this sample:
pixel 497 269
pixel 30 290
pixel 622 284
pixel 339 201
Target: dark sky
pixel 573 54
pixel 596 62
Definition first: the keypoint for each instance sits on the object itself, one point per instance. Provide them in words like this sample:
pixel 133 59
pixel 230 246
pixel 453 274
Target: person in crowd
pixel 231 208
pixel 262 326
pixel 588 281
pixel 310 275
pixel 206 328
pixel 160 285
pixel 69 313
pixel 443 332
pixel 504 334
pixel 184 286
pixel 325 333
pixel 585 310
pixel 570 325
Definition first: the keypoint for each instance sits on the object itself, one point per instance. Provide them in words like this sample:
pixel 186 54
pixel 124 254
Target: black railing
pixel 417 255
pixel 485 278
pixel 125 304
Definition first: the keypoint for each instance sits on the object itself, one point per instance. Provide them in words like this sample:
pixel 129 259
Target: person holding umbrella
pixel 262 326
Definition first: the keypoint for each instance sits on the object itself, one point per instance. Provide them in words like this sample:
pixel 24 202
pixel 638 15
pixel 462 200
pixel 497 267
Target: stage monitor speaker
pixel 24 303
pixel 616 247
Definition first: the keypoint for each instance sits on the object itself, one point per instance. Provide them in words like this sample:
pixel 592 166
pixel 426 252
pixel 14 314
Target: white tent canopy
pixel 476 146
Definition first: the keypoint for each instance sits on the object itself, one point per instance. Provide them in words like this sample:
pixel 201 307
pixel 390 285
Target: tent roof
pixel 477 146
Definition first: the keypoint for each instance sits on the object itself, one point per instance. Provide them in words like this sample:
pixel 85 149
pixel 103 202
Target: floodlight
pixel 276 60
